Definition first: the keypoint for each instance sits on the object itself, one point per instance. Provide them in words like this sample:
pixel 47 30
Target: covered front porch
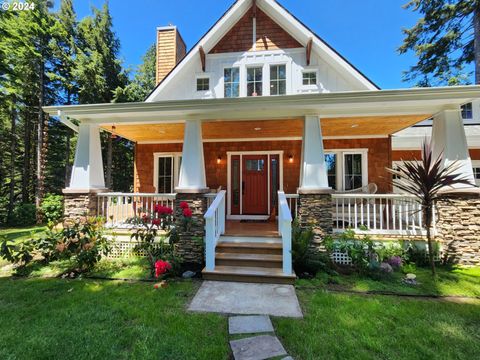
pixel 267 160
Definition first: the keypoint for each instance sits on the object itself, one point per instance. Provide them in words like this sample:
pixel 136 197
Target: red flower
pixel 184 205
pixel 163 210
pixel 187 213
pixel 156 222
pixel 145 218
pixel 161 267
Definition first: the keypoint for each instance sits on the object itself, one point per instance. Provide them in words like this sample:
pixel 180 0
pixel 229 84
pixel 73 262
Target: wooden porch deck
pixel 251 228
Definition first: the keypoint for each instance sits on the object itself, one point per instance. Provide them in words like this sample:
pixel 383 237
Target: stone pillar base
pixel 80 204
pixel 458 227
pixel 315 212
pixel 191 238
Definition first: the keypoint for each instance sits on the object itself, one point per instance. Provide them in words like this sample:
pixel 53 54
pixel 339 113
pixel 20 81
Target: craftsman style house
pixel 257 123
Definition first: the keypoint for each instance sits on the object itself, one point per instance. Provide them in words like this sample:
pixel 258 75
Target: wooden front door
pixel 255 184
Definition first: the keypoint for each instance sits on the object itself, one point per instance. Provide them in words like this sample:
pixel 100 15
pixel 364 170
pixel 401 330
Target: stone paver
pixel 257 348
pixel 249 324
pixel 246 298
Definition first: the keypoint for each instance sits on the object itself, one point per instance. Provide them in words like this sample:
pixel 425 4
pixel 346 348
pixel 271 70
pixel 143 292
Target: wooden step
pixel 250 248
pixel 248 274
pixel 252 260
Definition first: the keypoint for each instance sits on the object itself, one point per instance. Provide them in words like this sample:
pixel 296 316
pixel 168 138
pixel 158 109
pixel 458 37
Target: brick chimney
pixel 170 50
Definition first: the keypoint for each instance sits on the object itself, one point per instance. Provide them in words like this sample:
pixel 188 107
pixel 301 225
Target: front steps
pixel 249 259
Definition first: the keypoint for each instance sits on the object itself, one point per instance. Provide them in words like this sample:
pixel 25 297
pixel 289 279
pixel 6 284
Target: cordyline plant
pixel 427 180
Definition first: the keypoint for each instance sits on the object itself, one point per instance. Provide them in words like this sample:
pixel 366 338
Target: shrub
pixel 305 258
pixel 23 215
pixel 52 207
pixel 19 253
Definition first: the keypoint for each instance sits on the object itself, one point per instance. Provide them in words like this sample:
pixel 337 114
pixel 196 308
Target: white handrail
pixel 285 229
pixel 214 228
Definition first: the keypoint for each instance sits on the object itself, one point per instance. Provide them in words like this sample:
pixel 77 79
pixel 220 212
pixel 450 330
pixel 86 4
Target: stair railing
pixel 214 228
pixel 285 229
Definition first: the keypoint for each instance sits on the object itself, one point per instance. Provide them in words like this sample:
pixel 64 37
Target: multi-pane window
pixel 165 175
pixel 476 173
pixel 331 163
pixel 203 84
pixel 255 165
pixel 467 112
pixel 310 78
pixel 231 79
pixel 353 171
pixel 254 81
pixel 278 80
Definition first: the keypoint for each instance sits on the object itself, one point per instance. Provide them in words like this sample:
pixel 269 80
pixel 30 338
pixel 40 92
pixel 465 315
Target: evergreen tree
pixel 446 40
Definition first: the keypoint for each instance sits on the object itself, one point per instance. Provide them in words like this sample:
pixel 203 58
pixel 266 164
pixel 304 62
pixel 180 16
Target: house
pixel 262 121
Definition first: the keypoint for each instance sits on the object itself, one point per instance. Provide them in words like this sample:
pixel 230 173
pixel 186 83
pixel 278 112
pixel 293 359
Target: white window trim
pixel 340 168
pixel 265 88
pixel 287 70
pixel 176 168
pixel 204 76
pixel 240 81
pixel 316 70
pixel 229 181
pixel 476 164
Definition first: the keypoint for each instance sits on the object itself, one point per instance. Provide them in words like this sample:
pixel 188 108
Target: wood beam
pixel 202 58
pixel 309 50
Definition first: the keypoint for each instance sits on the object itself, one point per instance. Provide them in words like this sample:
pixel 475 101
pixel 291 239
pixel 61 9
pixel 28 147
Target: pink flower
pixel 161 267
pixel 187 213
pixel 156 222
pixel 184 205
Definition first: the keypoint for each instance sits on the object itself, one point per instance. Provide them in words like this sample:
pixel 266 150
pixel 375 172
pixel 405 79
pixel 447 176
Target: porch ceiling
pixel 349 127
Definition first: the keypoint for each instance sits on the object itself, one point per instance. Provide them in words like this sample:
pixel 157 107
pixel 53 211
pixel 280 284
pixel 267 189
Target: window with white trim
pixel 347 169
pixel 166 172
pixel 476 171
pixel 231 81
pixel 467 111
pixel 254 81
pixel 331 163
pixel 278 80
pixel 309 78
pixel 353 175
pixel 203 84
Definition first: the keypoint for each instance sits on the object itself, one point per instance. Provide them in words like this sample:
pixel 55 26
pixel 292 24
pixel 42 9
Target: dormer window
pixel 231 80
pixel 278 80
pixel 203 84
pixel 309 78
pixel 254 81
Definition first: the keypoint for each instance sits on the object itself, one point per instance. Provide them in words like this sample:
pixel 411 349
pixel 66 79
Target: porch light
pixel 290 158
pixel 257 129
pixel 219 160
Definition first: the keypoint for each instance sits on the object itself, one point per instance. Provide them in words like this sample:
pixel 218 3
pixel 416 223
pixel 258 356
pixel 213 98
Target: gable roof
pixel 287 21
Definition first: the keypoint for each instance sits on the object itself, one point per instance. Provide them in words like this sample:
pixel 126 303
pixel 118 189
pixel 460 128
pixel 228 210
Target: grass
pixel 20 234
pixel 341 326
pixel 458 281
pixel 86 319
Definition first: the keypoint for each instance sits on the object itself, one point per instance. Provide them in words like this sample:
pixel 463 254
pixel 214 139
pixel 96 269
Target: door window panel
pixel 236 182
pixel 255 165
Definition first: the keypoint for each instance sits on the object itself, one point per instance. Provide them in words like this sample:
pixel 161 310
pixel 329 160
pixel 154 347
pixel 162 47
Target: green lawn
pixel 86 319
pixel 19 234
pixel 450 282
pixel 346 326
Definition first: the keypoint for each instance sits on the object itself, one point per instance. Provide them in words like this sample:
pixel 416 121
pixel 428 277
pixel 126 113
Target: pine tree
pixel 446 40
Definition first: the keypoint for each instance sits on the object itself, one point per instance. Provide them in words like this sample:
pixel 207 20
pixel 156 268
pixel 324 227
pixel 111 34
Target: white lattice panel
pixel 341 258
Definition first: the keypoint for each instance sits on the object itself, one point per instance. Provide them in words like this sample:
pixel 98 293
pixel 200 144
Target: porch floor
pixel 251 229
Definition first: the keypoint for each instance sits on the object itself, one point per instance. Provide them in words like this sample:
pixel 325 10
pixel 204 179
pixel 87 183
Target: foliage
pixel 52 207
pixel 186 216
pixel 305 258
pixel 18 253
pixel 23 215
pixel 152 243
pixel 443 39
pixel 425 180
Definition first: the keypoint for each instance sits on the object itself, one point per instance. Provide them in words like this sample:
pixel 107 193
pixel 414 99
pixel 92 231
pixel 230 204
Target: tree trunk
pixel 26 160
pixel 476 41
pixel 428 224
pixel 13 150
pixel 108 174
pixel 41 144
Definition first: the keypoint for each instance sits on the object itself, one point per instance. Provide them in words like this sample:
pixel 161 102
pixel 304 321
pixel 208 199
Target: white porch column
pixel 448 136
pixel 192 170
pixel 313 172
pixel 87 172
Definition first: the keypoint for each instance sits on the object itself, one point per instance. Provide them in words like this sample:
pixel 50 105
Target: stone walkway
pixel 259 347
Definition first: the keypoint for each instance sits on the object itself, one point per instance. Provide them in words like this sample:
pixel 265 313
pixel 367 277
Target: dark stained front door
pixel 255 184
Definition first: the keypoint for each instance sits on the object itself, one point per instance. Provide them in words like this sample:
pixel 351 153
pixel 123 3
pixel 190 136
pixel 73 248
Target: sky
pixel 366 32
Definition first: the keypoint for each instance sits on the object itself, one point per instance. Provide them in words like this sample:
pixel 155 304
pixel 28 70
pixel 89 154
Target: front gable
pixel 242 40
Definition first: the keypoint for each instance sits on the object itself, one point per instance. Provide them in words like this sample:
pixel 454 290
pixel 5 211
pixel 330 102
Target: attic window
pixel 309 78
pixel 203 84
pixel 467 112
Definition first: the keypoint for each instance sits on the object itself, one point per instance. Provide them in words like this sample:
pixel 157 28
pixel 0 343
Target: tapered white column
pixel 87 172
pixel 313 172
pixel 192 170
pixel 449 139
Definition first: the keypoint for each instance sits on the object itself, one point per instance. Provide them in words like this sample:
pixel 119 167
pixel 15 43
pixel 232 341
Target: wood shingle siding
pixel 170 50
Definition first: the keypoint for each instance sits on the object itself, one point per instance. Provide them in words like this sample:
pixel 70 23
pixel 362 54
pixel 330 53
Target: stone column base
pixel 191 239
pixel 80 204
pixel 315 212
pixel 458 227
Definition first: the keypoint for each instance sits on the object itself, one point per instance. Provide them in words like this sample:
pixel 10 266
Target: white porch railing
pixel 214 228
pixel 118 208
pixel 379 213
pixel 285 229
pixel 292 200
